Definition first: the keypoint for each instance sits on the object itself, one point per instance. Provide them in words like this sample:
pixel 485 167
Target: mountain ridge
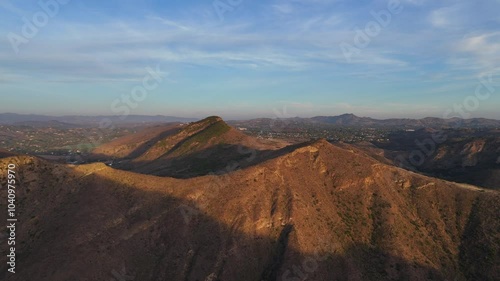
pixel 347 119
pixel 351 120
pixel 349 215
pixel 199 147
pixel 312 210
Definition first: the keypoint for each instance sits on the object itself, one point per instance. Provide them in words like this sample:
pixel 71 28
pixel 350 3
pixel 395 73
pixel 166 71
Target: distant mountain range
pixel 351 120
pixel 12 118
pixel 346 120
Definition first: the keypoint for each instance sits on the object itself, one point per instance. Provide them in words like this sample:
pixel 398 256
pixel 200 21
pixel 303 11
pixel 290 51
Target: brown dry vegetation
pixel 461 158
pixel 200 148
pixel 136 144
pixel 313 211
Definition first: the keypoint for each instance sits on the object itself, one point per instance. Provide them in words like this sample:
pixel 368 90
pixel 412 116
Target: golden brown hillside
pixel 136 144
pixel 199 148
pixel 308 212
pixel 472 160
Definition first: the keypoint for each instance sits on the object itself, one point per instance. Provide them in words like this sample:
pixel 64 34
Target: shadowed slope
pixel 200 148
pixel 136 144
pixel 459 155
pixel 318 211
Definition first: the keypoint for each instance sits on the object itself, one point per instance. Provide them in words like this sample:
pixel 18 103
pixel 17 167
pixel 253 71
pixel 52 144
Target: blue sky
pixel 251 58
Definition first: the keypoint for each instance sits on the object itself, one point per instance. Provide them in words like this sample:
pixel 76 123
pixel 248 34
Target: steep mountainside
pixel 196 149
pixel 135 144
pixel 313 211
pixel 461 157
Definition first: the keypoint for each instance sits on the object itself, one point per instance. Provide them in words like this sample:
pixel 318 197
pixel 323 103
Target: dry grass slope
pixel 318 211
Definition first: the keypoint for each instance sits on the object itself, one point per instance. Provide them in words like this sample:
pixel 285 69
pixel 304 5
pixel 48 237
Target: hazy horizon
pixel 277 116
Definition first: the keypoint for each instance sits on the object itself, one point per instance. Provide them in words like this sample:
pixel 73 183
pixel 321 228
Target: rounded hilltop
pixel 213 118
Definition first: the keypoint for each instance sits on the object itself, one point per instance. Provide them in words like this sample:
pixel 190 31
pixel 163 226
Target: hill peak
pixel 211 119
pixel 348 115
pixel 206 123
pixel 318 144
pixel 214 118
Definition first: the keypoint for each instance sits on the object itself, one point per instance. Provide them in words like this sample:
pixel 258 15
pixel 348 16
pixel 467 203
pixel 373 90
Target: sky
pixel 246 58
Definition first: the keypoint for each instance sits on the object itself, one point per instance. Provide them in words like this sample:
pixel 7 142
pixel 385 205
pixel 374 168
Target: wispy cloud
pixel 484 50
pixel 430 46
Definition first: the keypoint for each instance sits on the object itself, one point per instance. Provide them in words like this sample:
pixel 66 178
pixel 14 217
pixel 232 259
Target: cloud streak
pixel 429 46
